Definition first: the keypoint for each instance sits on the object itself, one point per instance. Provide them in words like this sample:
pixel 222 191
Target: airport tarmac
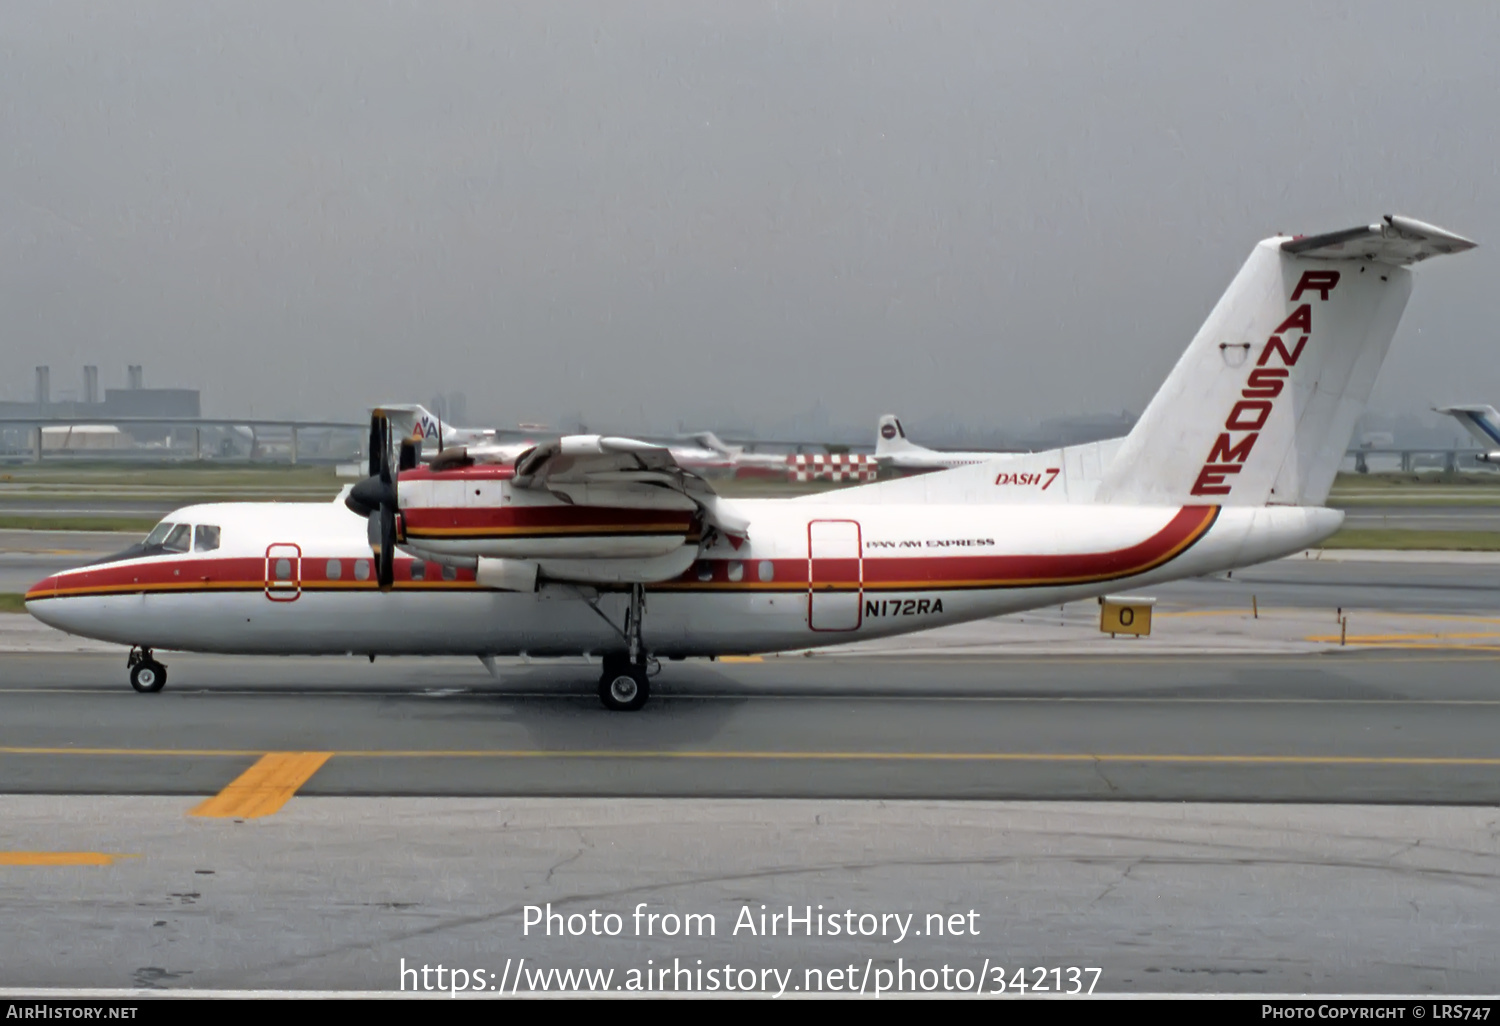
pixel 1409 726
pixel 333 894
pixel 1319 823
pixel 1238 803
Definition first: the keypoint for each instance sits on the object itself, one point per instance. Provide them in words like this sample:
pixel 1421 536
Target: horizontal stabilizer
pixel 1395 240
pixel 1481 421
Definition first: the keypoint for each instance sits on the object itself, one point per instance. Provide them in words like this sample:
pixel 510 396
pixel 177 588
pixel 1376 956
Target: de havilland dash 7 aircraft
pixel 605 547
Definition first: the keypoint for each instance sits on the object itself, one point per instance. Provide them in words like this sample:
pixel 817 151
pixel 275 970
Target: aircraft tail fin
pixel 712 442
pixel 890 437
pixel 1260 408
pixel 1483 422
pixel 413 420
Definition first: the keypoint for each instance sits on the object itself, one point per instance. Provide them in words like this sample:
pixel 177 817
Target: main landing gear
pixel 625 684
pixel 146 674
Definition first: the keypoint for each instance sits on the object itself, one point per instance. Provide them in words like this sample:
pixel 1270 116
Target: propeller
pixel 375 498
pixel 380 440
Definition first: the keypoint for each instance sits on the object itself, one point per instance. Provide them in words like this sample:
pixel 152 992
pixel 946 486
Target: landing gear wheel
pixel 624 688
pixel 148 676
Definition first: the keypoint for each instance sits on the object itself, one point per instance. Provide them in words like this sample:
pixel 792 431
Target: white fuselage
pixel 296 579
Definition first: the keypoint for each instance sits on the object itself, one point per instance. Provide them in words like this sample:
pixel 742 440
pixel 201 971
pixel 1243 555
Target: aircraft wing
pixel 600 470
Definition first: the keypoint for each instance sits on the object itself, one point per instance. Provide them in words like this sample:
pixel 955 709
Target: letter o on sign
pixel 1259 409
pixel 1125 614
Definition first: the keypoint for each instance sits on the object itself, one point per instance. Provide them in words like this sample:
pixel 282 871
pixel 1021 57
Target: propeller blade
pixel 385 556
pixel 380 441
pixel 376 497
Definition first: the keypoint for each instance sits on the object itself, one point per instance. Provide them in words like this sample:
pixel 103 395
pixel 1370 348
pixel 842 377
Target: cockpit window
pixel 205 538
pixel 180 540
pixel 159 534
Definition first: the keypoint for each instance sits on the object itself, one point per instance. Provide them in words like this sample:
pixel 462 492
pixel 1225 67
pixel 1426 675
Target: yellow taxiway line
pixel 59 858
pixel 263 788
pixel 277 775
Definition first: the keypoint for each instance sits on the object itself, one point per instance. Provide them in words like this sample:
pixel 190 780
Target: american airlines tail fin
pixel 412 420
pixel 890 438
pixel 1483 422
pixel 1260 408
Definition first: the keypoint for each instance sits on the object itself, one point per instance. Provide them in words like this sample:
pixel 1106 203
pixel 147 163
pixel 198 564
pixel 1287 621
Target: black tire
pixel 624 688
pixel 148 676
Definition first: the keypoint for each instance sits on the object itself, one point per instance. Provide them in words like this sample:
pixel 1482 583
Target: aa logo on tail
pixel 426 427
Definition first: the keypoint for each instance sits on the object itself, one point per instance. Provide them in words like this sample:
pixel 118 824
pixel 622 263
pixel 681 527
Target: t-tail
pixel 1260 408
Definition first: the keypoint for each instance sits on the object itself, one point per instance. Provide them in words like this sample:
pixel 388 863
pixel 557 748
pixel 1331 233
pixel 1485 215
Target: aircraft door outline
pixel 835 575
pixel 283 572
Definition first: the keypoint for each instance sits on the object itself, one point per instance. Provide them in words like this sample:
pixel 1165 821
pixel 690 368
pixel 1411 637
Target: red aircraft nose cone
pixel 45 588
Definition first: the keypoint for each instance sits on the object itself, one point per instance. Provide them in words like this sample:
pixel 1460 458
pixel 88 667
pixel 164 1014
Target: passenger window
pixel 283 569
pixel 335 569
pixel 205 538
pixel 736 570
pixel 180 540
pixel 767 571
pixel 158 534
pixel 418 570
pixel 361 569
pixel 705 571
pixel 450 573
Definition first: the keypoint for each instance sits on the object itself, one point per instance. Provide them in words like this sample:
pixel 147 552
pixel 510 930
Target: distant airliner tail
pixel 890 438
pixel 412 420
pixel 1483 422
pixel 712 442
pixel 1260 408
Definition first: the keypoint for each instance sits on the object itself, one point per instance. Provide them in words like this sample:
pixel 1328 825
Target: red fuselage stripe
pixel 908 573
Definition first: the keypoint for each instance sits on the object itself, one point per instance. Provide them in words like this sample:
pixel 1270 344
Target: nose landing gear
pixel 146 674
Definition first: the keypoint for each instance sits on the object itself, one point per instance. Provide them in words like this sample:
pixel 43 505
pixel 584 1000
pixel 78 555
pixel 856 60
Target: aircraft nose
pixel 45 588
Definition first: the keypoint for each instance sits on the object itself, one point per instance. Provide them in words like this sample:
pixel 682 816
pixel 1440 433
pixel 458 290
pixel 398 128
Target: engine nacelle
pixel 475 512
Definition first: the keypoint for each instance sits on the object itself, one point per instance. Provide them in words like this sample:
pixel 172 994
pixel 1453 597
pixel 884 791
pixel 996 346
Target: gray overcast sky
pixel 719 213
